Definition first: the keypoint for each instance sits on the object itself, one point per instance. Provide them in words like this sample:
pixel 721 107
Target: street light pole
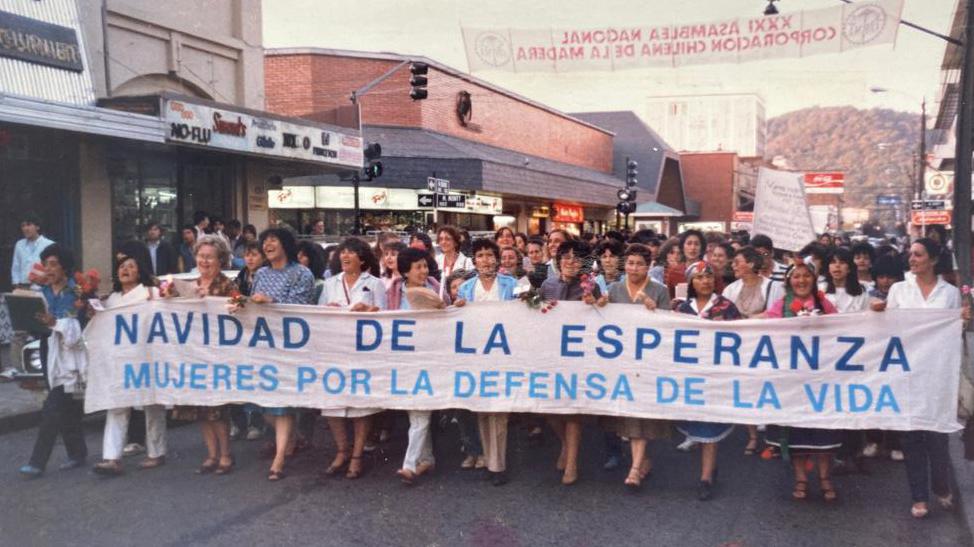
pixel 962 154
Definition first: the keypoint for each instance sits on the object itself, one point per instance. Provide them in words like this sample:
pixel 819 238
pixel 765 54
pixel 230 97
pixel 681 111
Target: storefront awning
pixel 656 209
pixel 81 119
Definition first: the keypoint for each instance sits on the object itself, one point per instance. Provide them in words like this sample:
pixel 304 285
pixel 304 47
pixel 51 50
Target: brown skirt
pixel 200 413
pixel 642 428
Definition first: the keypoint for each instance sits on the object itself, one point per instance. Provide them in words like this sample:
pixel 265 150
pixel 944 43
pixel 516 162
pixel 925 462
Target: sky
pixel 909 70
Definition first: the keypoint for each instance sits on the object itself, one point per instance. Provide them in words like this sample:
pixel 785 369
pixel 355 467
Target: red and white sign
pixel 630 45
pixel 931 217
pixel 743 216
pixel 565 212
pixel 825 183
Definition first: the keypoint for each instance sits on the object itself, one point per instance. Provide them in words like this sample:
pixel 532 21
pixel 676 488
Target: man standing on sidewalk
pixel 27 252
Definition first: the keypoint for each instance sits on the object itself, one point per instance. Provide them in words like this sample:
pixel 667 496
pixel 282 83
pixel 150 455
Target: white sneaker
pixel 686 445
pixel 253 433
pixel 234 431
pixel 896 455
pixel 870 450
pixel 132 449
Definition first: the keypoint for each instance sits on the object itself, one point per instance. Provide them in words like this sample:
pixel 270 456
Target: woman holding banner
pixel 210 252
pixel 802 298
pixel 637 288
pixel 575 282
pixel 489 286
pixel 356 287
pixel 415 289
pixel 927 452
pixel 283 281
pixel 133 283
pixel 704 302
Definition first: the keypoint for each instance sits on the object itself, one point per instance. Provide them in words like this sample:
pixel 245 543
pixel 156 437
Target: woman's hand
pixel 261 298
pixel 649 303
pixel 460 303
pixel 588 299
pixel 877 305
pixel 602 301
pixel 360 306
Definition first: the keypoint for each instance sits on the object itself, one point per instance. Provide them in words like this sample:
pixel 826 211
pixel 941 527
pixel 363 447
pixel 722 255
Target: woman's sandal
pixel 800 493
pixel 275 476
pixel 751 448
pixel 152 463
pixel 569 479
pixel 645 468
pixel 406 476
pixel 424 468
pixel 108 468
pixel 209 465
pixel 828 490
pixel 225 469
pixel 634 479
pixel 946 502
pixel 338 464
pixel 356 472
pixel 919 512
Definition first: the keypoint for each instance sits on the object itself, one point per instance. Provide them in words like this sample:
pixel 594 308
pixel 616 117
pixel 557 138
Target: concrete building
pixel 710 123
pixel 139 111
pixel 513 160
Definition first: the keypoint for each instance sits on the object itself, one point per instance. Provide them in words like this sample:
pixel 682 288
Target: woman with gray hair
pixel 211 252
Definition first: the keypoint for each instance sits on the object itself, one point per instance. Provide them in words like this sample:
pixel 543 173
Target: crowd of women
pixel 717 277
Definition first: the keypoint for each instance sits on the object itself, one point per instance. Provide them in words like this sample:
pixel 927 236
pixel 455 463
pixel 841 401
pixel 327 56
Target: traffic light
pixel 631 173
pixel 418 81
pixel 626 207
pixel 625 194
pixel 373 167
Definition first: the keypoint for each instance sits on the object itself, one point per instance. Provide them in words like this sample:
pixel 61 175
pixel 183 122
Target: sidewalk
pixel 964 478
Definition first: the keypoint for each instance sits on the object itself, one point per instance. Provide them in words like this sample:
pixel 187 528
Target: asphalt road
pixel 172 506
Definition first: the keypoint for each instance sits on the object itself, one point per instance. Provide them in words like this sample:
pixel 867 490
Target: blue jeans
pixel 927 459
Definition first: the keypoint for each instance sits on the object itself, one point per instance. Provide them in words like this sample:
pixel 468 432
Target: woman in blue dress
pixel 704 302
pixel 282 281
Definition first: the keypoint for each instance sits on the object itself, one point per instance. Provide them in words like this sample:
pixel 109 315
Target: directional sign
pixel 889 199
pixel 929 205
pixel 452 201
pixel 931 217
pixel 440 186
pixel 425 200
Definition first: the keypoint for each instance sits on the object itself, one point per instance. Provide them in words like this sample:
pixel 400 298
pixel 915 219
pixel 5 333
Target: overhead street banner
pixel 895 370
pixel 624 46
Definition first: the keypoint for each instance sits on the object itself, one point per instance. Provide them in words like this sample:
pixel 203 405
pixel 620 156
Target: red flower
pixel 797 306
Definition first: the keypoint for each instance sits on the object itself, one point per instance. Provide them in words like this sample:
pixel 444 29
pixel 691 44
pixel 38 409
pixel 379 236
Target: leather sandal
pixel 108 468
pixel 634 479
pixel 751 448
pixel 209 465
pixel 152 463
pixel 406 476
pixel 354 473
pixel 337 465
pixel 800 493
pixel 828 490
pixel 275 476
pixel 225 469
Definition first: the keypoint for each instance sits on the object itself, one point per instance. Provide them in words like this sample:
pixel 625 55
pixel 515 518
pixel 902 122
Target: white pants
pixel 420 447
pixel 117 427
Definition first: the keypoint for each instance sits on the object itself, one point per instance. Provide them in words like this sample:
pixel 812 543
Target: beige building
pixel 116 113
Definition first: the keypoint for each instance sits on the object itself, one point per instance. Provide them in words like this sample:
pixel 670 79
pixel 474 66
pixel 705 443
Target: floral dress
pixel 717 309
pixel 220 286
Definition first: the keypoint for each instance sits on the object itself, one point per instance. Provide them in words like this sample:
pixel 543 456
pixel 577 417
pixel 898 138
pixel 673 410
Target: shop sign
pixel 931 217
pixel 485 205
pixel 743 216
pixel 564 212
pixel 40 42
pixel 291 197
pixel 702 226
pixel 540 212
pixel 228 130
pixel 825 183
pixel 343 197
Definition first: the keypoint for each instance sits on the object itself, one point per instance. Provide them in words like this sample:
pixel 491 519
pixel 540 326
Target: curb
pixel 963 475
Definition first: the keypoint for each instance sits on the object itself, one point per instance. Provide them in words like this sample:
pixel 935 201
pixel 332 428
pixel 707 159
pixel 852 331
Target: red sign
pixel 564 212
pixel 931 217
pixel 743 216
pixel 824 183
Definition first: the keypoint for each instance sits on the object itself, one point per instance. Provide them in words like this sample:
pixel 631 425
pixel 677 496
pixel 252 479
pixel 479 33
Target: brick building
pixel 514 161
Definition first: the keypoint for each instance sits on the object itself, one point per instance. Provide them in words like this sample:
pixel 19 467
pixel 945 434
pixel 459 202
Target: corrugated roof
pixel 637 141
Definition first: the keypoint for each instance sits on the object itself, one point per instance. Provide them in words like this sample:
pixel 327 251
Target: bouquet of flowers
pixel 85 287
pixel 805 308
pixel 237 299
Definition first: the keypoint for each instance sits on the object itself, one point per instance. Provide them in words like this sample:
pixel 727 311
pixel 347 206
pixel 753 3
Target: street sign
pixel 452 201
pixel 425 200
pixel 929 205
pixel 931 217
pixel 938 183
pixel 440 186
pixel 889 199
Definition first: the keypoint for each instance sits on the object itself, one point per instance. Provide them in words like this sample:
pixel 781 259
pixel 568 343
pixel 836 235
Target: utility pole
pixel 962 172
pixel 357 229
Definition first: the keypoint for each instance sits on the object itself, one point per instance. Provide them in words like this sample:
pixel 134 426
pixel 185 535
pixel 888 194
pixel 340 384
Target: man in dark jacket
pixel 163 254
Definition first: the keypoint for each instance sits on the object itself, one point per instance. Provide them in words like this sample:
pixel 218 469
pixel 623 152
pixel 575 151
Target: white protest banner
pixel 894 370
pixel 781 211
pixel 626 46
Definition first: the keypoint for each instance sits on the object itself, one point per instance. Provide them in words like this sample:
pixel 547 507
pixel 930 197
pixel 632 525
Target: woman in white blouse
pixel 927 455
pixel 356 287
pixel 133 284
pixel 842 285
pixel 450 257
